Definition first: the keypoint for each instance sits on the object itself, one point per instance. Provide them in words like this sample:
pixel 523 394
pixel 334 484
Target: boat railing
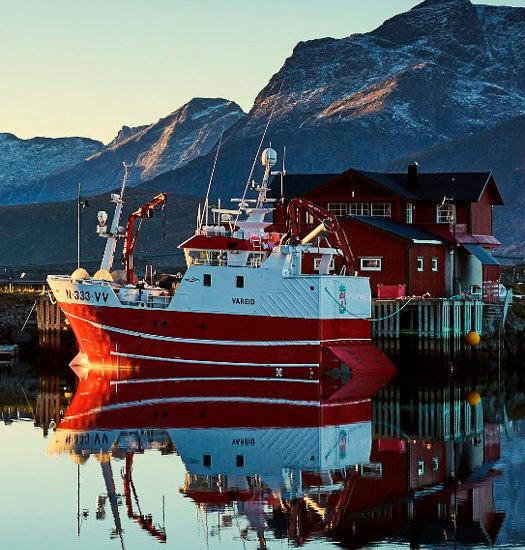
pixel 146 301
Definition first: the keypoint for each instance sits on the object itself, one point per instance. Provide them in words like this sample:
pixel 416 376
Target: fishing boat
pixel 244 309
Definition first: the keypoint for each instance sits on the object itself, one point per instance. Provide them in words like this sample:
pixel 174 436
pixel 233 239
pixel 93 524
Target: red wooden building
pixel 412 233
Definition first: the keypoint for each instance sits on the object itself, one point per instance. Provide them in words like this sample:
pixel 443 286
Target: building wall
pixel 367 241
pixel 481 215
pixel 468 269
pixel 433 282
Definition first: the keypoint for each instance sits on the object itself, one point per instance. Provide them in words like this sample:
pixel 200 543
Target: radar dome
pixel 269 157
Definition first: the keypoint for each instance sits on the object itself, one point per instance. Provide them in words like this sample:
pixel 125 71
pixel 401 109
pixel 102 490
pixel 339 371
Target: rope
pixel 372 320
pixel 27 318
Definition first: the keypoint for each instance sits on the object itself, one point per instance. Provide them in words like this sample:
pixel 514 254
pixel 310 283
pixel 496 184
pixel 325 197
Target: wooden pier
pixel 438 318
pixel 48 313
pixel 8 355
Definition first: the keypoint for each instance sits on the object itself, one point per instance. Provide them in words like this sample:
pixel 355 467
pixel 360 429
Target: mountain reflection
pixel 357 461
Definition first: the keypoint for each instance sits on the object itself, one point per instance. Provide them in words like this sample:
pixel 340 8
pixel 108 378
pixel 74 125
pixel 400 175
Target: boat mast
pixel 109 250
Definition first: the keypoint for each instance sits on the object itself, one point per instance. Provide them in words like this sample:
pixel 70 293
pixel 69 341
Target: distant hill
pixel 501 150
pixel 43 234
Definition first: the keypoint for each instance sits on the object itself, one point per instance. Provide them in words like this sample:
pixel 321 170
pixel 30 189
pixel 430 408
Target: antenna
pixel 257 154
pixel 205 211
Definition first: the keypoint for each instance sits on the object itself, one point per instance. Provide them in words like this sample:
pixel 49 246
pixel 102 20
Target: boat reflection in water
pixel 338 461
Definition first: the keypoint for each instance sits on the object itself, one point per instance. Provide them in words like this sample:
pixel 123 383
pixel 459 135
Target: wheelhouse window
pixel 410 208
pixel 383 209
pixel 338 208
pixel 317 264
pixel 370 264
pixel 434 264
pixel 420 263
pixel 445 213
pixel 207 279
pixel 359 209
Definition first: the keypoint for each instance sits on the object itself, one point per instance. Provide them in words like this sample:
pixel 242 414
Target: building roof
pixel 462 186
pixel 483 255
pixel 404 230
pixel 297 185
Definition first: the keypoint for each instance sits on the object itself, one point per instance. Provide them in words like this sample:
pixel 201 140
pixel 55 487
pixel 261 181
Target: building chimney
pixel 413 175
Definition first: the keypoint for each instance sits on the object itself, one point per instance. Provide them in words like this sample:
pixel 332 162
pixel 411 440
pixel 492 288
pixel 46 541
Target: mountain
pixel 23 160
pixel 500 150
pixel 173 141
pixel 444 70
pixel 124 133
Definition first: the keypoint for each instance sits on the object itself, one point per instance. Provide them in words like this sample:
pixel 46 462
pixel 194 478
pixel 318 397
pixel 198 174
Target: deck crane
pixel 327 224
pixel 144 520
pixel 144 211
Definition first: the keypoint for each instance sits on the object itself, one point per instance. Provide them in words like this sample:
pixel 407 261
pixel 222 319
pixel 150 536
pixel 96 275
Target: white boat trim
pixel 222 363
pixel 212 378
pixel 216 342
pixel 170 400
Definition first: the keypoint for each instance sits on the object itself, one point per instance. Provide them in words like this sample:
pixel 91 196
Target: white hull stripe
pixel 170 400
pixel 222 363
pixel 216 342
pixel 212 379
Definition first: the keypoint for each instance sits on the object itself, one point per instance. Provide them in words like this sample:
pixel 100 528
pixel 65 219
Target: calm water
pixel 121 460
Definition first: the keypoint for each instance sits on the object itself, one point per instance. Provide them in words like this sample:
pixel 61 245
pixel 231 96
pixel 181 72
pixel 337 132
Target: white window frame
pixel 420 263
pixel 409 212
pixel 445 213
pixel 359 209
pixel 435 264
pixel 339 209
pixel 420 468
pixel 373 470
pixel 382 209
pixel 374 258
pixel 317 264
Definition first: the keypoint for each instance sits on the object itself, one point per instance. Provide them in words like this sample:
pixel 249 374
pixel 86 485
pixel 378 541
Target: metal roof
pixel 297 185
pixel 482 254
pixel 462 186
pixel 404 230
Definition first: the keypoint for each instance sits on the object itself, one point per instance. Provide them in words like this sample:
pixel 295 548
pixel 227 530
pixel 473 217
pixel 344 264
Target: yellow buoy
pixel 472 338
pixel 473 398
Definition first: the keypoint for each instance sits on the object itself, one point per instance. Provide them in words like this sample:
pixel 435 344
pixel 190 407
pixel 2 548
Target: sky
pixel 87 67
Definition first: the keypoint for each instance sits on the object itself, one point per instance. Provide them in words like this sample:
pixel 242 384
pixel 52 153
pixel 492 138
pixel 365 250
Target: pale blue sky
pixel 86 67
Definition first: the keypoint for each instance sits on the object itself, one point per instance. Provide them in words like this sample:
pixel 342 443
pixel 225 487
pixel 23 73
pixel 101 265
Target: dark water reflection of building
pixel 413 463
pixel 40 391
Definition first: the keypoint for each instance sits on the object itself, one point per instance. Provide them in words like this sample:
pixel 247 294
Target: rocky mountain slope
pixel 170 143
pixel 23 160
pixel 444 77
pixel 443 70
